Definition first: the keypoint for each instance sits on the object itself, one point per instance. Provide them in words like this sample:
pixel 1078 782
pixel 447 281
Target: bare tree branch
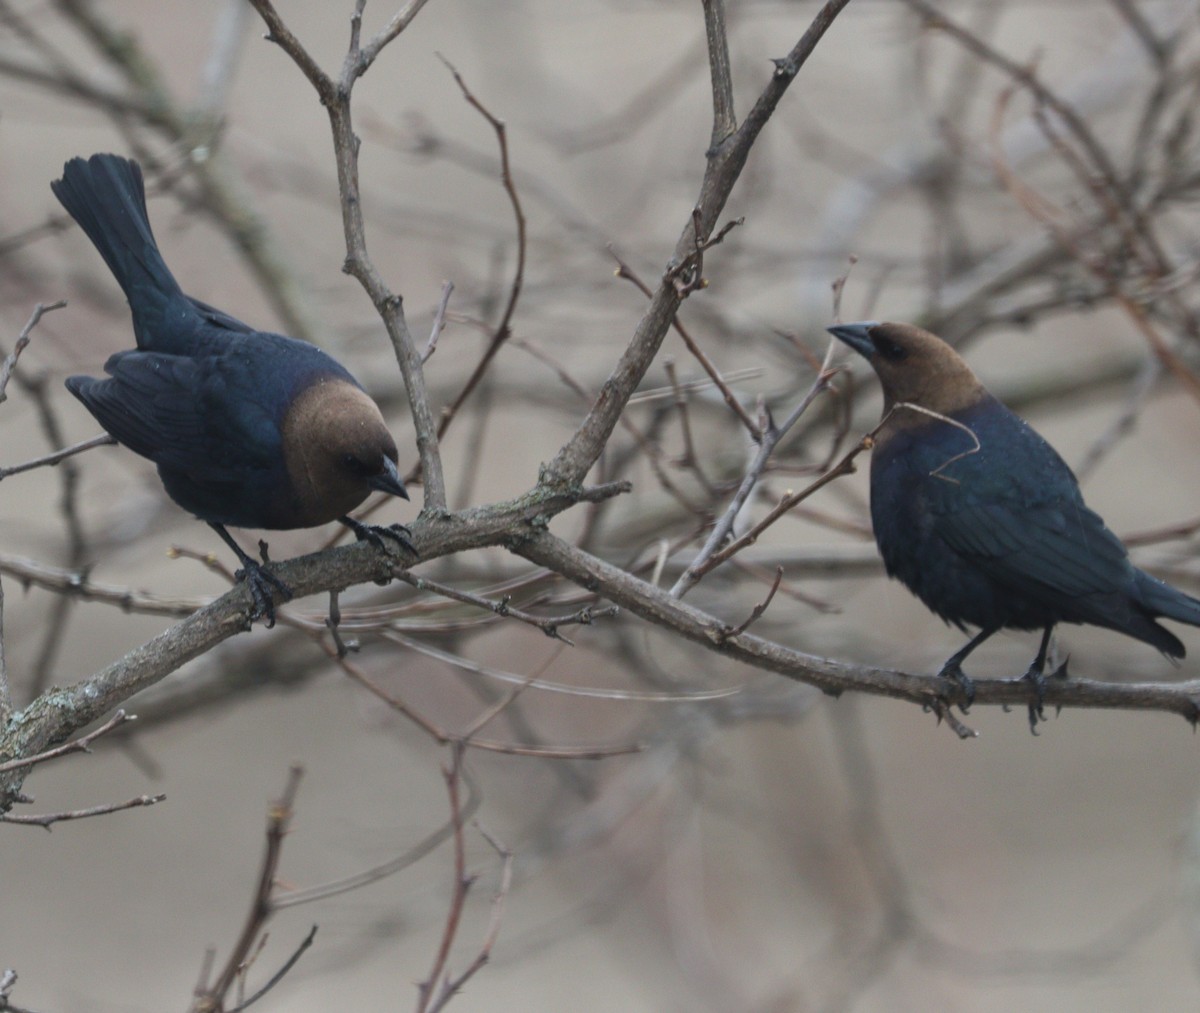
pixel 835 677
pixel 725 164
pixel 336 100
pixel 46 820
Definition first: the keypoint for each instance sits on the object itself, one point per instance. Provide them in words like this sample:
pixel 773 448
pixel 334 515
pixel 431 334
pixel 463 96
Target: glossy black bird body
pixel 247 428
pixel 982 519
pixel 231 436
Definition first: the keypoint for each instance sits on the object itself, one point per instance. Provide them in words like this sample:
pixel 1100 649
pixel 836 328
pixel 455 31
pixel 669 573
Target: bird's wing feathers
pixel 1062 548
pixel 1023 521
pixel 182 413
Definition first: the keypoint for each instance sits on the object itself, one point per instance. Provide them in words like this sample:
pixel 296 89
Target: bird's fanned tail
pixel 106 196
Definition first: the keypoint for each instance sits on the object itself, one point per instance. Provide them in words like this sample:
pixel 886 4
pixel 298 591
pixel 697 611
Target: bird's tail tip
pixel 1160 599
pixel 106 195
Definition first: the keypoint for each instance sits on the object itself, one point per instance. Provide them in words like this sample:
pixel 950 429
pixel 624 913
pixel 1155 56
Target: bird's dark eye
pixel 887 348
pixel 355 465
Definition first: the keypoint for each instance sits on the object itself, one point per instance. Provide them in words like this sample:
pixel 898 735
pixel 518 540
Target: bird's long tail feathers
pixel 1160 599
pixel 106 196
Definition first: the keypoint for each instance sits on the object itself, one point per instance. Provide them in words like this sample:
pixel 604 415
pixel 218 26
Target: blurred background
pixel 739 842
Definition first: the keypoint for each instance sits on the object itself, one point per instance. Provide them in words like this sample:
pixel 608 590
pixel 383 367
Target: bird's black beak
pixel 857 336
pixel 388 480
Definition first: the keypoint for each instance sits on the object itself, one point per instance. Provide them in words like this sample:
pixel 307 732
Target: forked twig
pixel 279 818
pixel 10 360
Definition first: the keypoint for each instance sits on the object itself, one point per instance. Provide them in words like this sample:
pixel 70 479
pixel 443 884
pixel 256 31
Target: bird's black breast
pixel 984 522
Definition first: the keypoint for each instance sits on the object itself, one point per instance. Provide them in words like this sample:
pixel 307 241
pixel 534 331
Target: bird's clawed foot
pixel 261 582
pixel 1037 682
pixel 953 670
pixel 376 533
pixel 263 585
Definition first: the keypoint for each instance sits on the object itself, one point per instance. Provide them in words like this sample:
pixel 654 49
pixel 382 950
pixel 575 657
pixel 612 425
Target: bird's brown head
pixel 913 366
pixel 337 450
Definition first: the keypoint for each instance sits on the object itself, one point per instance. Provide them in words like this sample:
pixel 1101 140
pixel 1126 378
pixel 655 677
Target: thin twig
pixel 735 405
pixel 839 287
pixel 78 584
pixel 46 460
pixel 762 573
pixel 690 459
pixel 444 737
pixel 454 985
pixel 279 818
pixel 407 858
pixel 945 712
pixel 757 612
pixel 771 435
pixel 278 976
pixel 79 745
pixel 1100 176
pixel 1140 392
pixel 439 987
pixel 724 119
pixel 722 170
pixel 462 885
pixel 54 635
pixel 400 21
pixel 1158 49
pixel 547 624
pixel 336 98
pixel 674 696
pixel 503 329
pixel 439 321
pixel 1041 209
pixel 653 453
pixel 10 360
pixel 47 819
pixel 843 467
pixel 195 135
pixel 63 80
pixel 333 622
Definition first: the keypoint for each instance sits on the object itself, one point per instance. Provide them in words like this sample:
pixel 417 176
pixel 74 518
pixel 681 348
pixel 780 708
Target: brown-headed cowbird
pixel 247 428
pixel 983 521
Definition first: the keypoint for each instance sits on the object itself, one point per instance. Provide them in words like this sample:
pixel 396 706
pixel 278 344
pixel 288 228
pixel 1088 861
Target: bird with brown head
pixel 248 429
pixel 982 519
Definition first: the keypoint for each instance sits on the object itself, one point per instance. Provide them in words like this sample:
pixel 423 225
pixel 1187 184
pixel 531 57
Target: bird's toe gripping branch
pixel 952 670
pixel 1037 679
pixel 376 533
pixel 263 585
pixel 1037 684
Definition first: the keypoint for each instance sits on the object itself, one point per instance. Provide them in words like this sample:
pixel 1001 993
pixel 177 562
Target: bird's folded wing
pixel 1056 548
pixel 182 413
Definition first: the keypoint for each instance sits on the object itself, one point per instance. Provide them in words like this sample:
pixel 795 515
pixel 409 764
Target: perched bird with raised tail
pixel 248 429
pixel 983 521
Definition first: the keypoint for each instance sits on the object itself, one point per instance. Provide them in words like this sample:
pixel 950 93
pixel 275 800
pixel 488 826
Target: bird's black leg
pixel 376 533
pixel 261 581
pixel 953 667
pixel 1038 680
